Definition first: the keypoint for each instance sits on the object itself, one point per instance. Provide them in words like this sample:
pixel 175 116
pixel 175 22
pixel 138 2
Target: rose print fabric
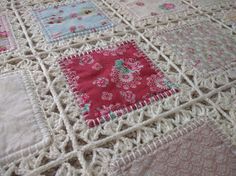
pixel 197 149
pixel 7 41
pixel 146 8
pixel 113 81
pixel 81 17
pixel 203 46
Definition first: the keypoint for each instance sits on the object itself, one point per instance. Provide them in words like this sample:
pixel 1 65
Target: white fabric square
pixel 23 129
pixel 143 9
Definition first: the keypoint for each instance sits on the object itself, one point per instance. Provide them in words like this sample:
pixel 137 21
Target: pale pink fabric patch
pixel 143 9
pixel 7 40
pixel 23 129
pixel 202 46
pixel 197 149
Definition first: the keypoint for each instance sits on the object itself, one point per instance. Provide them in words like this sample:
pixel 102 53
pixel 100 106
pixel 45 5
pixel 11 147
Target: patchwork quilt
pixel 118 87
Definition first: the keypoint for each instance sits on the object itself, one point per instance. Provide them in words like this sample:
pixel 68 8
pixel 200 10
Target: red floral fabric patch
pixel 113 81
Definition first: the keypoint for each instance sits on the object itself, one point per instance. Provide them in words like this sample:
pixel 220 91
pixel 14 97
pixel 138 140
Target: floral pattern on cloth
pixel 7 41
pixel 203 46
pixel 167 6
pixel 147 8
pixel 116 82
pixel 198 148
pixel 63 21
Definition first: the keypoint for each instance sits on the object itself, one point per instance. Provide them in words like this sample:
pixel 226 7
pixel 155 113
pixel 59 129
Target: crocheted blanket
pixel 117 87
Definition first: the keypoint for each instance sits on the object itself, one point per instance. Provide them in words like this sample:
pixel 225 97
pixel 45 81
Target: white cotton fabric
pixel 22 126
pixel 145 8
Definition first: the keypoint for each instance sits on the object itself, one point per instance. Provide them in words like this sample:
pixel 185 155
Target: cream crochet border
pixel 211 6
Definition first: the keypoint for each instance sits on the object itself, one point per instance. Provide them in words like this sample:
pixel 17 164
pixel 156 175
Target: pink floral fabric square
pixel 7 41
pixel 113 81
pixel 196 149
pixel 143 9
pixel 202 46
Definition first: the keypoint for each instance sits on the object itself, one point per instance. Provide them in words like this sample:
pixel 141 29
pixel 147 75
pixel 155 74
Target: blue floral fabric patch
pixel 63 21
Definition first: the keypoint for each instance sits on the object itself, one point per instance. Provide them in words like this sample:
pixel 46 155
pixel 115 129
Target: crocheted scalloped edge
pixel 178 132
pixel 68 36
pixel 221 15
pixel 120 112
pixel 151 19
pixel 210 74
pixel 210 7
pixel 11 39
pixel 39 117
